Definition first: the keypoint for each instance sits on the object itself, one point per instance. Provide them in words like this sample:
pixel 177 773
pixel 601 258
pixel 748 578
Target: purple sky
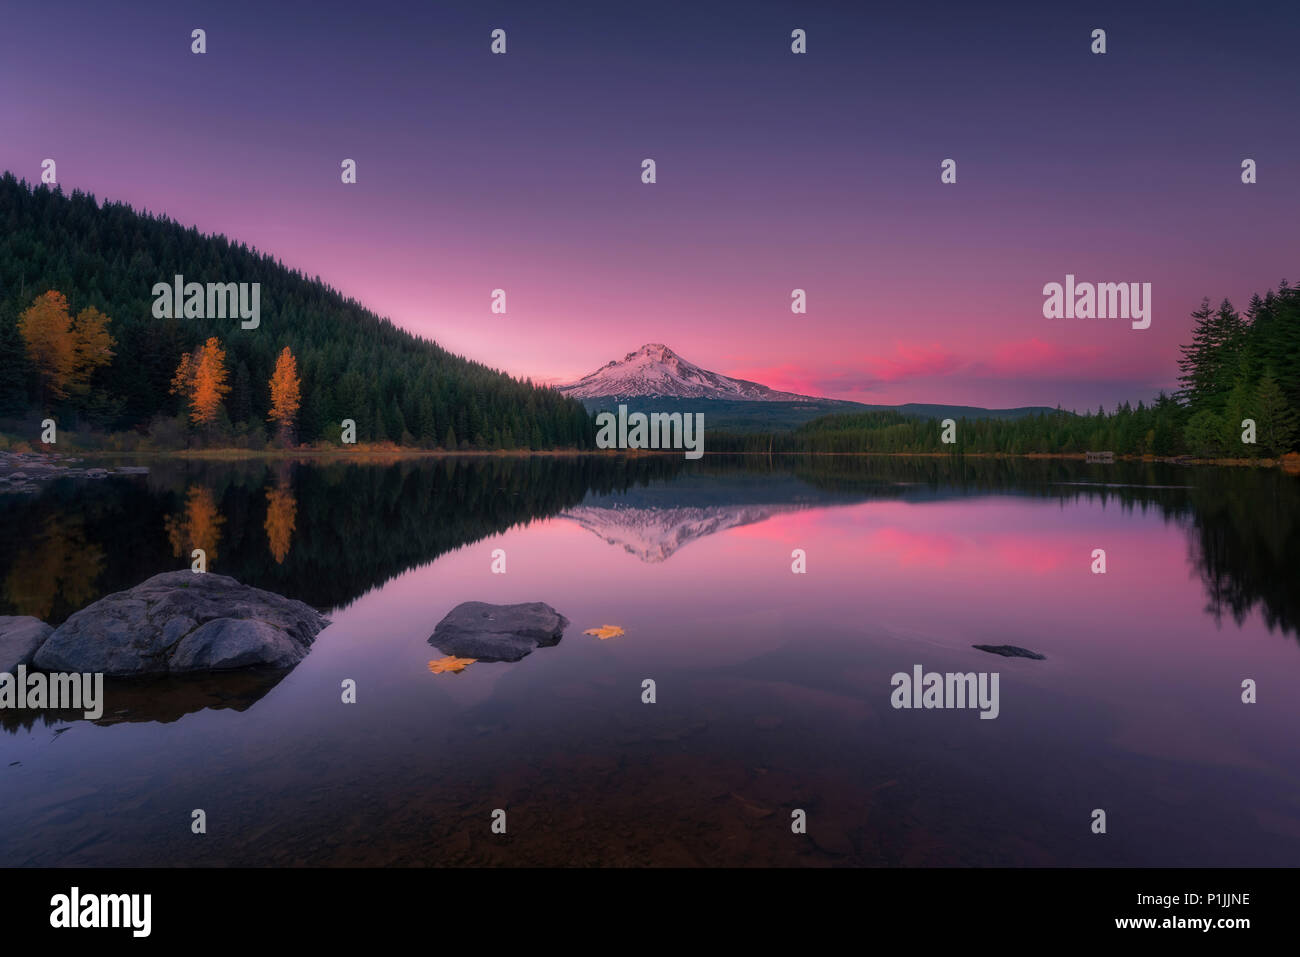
pixel 775 171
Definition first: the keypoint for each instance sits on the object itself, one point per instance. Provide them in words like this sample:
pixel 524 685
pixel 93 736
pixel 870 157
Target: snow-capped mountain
pixel 655 371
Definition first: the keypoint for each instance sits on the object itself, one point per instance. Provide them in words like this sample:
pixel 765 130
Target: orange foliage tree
pixel 281 516
pixel 201 380
pixel 59 564
pixel 198 526
pixel 65 351
pixel 285 391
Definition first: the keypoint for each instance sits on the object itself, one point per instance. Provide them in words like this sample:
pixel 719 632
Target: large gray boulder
pixel 20 636
pixel 180 622
pixel 475 629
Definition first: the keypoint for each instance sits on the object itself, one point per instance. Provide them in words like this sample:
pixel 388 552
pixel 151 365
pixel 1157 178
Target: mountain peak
pixel 655 371
pixel 655 352
pixel 653 349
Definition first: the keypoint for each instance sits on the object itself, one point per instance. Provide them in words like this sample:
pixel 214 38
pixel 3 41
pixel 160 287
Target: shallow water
pixel 773 689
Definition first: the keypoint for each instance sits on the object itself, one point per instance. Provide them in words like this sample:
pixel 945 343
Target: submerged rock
pixel 180 622
pixel 1011 651
pixel 475 629
pixel 20 637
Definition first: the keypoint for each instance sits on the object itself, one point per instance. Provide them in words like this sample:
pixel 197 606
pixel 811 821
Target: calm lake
pixel 773 689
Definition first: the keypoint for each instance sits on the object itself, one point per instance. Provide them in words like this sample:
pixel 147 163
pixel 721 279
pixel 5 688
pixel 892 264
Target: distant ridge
pixel 655 378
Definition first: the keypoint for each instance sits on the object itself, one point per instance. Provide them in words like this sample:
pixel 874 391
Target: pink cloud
pixel 909 361
pixel 913 361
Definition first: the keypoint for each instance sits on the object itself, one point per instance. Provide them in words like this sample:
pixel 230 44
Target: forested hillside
pixel 105 260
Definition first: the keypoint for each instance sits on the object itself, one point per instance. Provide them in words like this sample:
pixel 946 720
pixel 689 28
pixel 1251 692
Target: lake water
pixel 773 689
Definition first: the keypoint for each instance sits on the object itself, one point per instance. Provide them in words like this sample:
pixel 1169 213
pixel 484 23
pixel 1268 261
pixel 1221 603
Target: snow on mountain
pixel 654 534
pixel 655 371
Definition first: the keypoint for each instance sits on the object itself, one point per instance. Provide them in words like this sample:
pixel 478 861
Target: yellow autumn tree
pixel 201 380
pixel 285 392
pixel 64 350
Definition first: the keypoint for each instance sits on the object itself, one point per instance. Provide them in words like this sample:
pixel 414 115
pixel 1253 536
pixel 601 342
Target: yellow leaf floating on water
pixel 605 631
pixel 450 664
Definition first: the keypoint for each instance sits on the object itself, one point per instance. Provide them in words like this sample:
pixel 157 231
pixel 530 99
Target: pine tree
pixel 1277 421
pixel 13 370
pixel 1279 341
pixel 1239 408
pixel 241 395
pixel 1204 434
pixel 1210 362
pixel 426 428
pixel 396 424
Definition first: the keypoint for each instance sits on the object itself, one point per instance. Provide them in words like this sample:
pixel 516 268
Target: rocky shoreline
pixel 22 472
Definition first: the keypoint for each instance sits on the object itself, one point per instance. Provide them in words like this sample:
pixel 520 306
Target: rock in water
pixel 20 637
pixel 183 622
pixel 475 629
pixel 1011 651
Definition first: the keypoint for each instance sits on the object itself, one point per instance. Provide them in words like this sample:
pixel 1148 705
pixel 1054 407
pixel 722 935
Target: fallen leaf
pixel 450 664
pixel 605 631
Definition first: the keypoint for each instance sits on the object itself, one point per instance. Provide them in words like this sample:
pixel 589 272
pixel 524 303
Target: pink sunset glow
pixel 917 291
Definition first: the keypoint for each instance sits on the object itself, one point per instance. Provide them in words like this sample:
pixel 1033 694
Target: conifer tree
pixel 1277 421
